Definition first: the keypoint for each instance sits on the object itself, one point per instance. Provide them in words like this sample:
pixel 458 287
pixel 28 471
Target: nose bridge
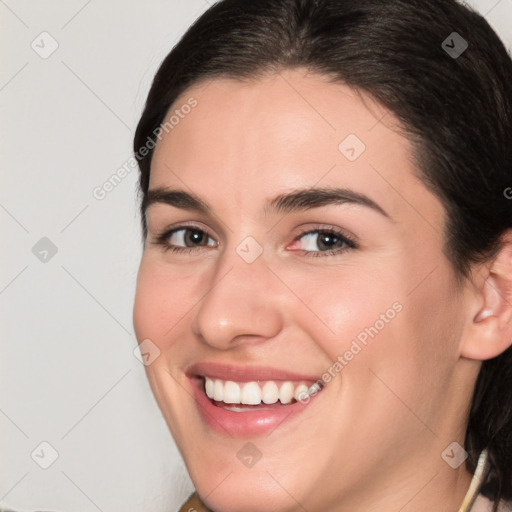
pixel 238 301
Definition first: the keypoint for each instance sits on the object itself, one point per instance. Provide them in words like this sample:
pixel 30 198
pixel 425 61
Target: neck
pixel 427 485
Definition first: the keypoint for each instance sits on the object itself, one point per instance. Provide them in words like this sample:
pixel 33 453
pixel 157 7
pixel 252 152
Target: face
pixel 290 242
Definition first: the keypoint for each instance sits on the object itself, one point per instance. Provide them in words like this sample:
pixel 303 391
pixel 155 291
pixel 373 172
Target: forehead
pixel 273 116
pixel 267 136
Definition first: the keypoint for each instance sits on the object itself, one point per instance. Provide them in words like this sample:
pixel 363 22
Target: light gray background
pixel 68 373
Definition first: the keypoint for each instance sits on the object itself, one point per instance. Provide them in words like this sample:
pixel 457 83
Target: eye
pixel 323 242
pixel 184 239
pixel 315 242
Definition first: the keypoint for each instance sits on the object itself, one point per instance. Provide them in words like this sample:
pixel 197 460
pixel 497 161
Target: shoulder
pixel 505 506
pixel 194 504
pixel 483 504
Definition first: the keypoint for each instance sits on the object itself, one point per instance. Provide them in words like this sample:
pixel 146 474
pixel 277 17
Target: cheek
pixel 343 306
pixel 162 299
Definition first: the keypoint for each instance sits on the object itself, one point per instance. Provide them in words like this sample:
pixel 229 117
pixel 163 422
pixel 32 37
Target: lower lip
pixel 250 423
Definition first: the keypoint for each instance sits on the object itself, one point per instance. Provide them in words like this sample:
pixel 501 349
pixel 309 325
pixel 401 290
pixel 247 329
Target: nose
pixel 241 303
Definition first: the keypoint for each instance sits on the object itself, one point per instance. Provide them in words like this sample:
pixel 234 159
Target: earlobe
pixel 490 332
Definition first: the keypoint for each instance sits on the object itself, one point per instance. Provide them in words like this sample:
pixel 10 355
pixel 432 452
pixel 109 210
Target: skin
pixel 372 438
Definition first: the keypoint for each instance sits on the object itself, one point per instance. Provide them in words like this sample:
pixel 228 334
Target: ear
pixel 490 330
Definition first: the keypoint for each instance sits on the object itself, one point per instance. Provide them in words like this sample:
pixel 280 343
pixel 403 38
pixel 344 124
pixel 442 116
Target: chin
pixel 246 492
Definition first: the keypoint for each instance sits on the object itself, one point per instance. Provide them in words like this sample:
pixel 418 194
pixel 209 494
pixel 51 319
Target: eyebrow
pixel 298 200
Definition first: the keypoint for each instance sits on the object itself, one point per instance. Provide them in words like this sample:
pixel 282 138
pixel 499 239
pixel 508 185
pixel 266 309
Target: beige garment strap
pixel 482 470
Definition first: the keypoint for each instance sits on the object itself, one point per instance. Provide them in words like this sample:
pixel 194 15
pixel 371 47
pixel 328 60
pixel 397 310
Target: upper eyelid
pixel 172 229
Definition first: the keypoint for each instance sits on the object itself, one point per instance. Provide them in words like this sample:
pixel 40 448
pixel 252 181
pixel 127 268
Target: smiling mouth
pixel 249 401
pixel 245 396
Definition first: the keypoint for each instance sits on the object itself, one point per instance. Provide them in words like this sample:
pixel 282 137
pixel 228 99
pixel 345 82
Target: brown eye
pixel 194 237
pixel 185 238
pixel 321 242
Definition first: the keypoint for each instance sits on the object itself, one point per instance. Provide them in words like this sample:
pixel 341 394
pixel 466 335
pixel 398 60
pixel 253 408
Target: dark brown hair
pixel 454 104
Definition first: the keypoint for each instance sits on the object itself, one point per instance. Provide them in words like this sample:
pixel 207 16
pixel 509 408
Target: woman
pixel 327 268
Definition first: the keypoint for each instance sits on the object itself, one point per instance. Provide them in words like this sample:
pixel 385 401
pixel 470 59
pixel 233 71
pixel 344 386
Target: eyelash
pixel 162 240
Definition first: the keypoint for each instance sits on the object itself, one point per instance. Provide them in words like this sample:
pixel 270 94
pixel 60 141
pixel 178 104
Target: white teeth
pixel 286 392
pixel 218 390
pixel 301 392
pixel 231 393
pixel 254 393
pixel 251 394
pixel 209 386
pixel 270 393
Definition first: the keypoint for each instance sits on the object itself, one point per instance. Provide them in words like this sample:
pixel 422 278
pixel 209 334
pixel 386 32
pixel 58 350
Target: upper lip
pixel 245 373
